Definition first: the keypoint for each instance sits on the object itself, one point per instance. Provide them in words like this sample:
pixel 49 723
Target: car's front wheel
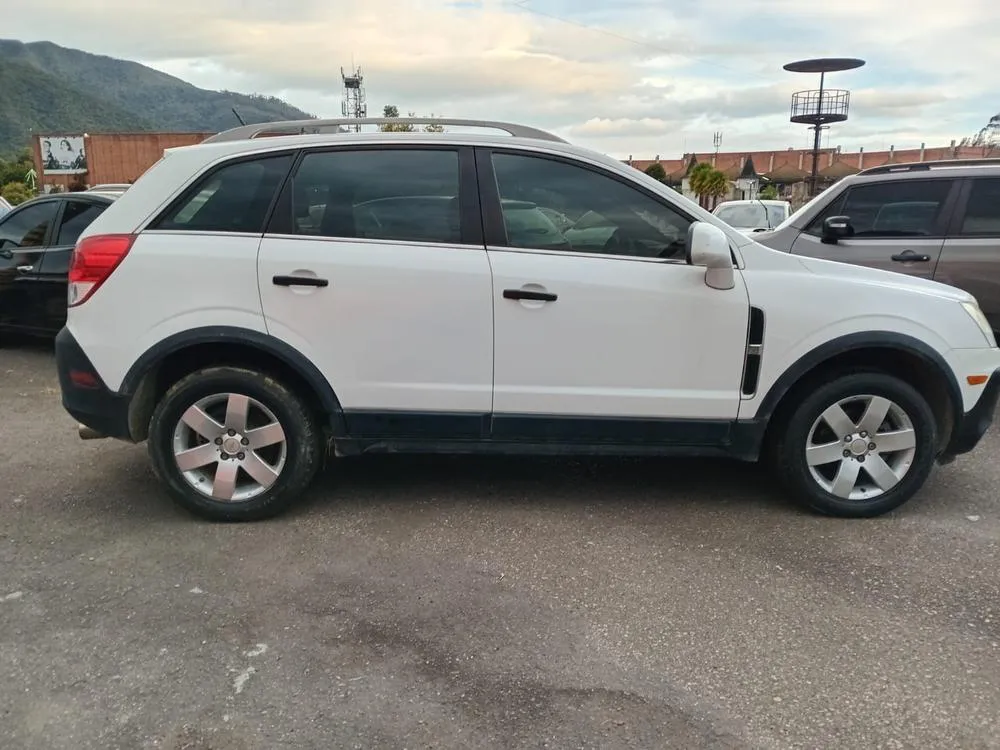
pixel 234 445
pixel 858 446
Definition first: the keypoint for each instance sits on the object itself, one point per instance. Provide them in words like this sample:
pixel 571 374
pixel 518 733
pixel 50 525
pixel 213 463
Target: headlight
pixel 984 325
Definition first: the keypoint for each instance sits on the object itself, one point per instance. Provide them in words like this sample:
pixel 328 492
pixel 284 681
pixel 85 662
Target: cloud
pixel 634 76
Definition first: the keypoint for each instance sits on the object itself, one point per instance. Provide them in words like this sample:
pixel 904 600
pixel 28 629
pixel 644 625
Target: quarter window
pixel 76 217
pixel 552 205
pixel 27 227
pixel 907 208
pixel 235 198
pixel 982 215
pixel 392 195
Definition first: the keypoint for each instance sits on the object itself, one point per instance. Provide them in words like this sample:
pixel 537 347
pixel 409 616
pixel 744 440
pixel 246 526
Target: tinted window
pixel 76 217
pixel 27 227
pixel 751 215
pixel 553 205
pixel 395 194
pixel 234 198
pixel 908 208
pixel 982 215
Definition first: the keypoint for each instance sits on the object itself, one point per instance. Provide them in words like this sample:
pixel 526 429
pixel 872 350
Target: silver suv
pixel 939 220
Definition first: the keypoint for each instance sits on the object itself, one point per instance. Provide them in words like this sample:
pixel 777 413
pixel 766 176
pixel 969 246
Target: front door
pixel 898 226
pixel 602 331
pixel 24 234
pixel 970 259
pixel 374 268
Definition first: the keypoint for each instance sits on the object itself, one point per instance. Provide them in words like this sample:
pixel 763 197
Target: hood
pixel 878 277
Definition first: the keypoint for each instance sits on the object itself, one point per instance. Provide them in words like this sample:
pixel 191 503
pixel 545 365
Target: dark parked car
pixel 36 243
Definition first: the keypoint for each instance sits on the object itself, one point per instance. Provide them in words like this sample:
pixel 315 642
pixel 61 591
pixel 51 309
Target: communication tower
pixel 354 104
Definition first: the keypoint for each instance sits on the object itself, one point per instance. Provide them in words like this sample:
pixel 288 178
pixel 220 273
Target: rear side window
pixel 76 217
pixel 27 227
pixel 393 195
pixel 234 198
pixel 982 215
pixel 907 208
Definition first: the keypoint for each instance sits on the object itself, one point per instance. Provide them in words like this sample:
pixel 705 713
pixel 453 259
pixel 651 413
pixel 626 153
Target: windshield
pixel 751 215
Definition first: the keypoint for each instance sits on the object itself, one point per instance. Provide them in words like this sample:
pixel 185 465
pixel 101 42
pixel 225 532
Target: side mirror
pixel 836 228
pixel 708 246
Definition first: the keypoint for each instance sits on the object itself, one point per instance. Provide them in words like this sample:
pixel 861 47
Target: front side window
pixel 907 208
pixel 76 217
pixel 552 205
pixel 27 227
pixel 403 195
pixel 982 215
pixel 235 198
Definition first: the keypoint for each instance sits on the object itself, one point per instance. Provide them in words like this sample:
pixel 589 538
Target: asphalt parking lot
pixel 460 603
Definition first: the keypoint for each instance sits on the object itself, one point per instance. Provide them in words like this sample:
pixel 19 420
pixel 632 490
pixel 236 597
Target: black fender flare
pixel 262 342
pixel 748 435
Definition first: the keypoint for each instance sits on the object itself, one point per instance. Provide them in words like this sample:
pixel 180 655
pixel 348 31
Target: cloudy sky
pixel 639 77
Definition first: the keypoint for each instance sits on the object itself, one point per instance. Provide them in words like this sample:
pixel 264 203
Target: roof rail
pixel 923 166
pixel 303 127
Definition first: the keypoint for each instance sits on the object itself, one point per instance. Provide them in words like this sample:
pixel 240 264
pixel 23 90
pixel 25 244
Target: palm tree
pixel 716 185
pixel 697 177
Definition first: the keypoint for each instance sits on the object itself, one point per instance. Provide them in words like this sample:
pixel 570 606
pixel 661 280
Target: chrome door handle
pixel 25 269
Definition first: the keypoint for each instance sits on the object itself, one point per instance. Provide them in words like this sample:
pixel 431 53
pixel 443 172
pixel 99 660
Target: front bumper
pixel 971 426
pixel 84 394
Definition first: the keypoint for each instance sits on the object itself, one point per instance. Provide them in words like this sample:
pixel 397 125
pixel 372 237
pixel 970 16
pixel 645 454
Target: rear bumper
pixel 971 426
pixel 84 394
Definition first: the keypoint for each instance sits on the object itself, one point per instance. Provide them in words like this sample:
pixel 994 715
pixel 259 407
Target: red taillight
pixel 94 258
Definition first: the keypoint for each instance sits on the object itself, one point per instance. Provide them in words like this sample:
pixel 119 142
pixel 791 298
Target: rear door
pixel 53 266
pixel 24 234
pixel 970 259
pixel 374 268
pixel 899 225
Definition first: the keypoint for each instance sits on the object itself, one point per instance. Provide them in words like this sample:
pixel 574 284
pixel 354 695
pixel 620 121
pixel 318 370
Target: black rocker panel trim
pixel 244 337
pixel 546 428
pixel 534 429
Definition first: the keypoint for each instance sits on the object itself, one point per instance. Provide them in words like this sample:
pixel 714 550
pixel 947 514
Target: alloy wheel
pixel 861 447
pixel 229 447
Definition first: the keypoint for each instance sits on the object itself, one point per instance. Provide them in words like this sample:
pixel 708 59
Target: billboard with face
pixel 63 154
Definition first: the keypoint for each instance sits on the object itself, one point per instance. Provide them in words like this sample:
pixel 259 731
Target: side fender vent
pixel 755 351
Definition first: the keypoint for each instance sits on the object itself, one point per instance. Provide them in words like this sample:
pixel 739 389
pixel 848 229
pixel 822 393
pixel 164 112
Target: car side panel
pixel 168 283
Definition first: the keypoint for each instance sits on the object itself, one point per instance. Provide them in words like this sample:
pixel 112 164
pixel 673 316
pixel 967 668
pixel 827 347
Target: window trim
pixel 962 205
pixel 941 224
pixel 193 187
pixel 47 239
pixel 495 228
pixel 280 222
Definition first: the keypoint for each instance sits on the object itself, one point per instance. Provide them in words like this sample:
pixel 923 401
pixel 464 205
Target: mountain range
pixel 48 88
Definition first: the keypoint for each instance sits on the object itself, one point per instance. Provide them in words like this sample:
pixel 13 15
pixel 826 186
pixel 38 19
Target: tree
pixel 988 137
pixel 16 192
pixel 656 171
pixel 707 182
pixel 769 193
pixel 391 110
pixel 716 184
pixel 434 127
pixel 697 178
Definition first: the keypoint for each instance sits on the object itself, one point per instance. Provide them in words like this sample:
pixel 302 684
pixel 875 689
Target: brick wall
pixel 115 157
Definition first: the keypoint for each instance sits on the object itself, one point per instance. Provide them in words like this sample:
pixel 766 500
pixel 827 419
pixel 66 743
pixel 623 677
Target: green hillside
pixel 47 87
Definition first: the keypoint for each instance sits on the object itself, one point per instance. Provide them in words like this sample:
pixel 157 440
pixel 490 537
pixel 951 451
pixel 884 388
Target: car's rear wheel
pixel 858 446
pixel 234 445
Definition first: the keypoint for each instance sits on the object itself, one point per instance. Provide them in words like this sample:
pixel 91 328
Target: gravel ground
pixel 465 603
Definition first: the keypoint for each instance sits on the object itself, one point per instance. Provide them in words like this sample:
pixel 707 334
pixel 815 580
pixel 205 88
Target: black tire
pixel 303 440
pixel 789 447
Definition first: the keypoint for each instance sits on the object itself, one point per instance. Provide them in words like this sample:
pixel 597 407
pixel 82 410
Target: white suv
pixel 251 303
